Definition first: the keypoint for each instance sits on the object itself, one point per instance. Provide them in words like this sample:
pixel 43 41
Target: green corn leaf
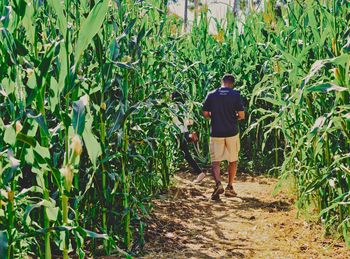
pixel 44 66
pixel 30 208
pixel 63 68
pixel 52 213
pixel 141 34
pixel 130 26
pixel 26 139
pixel 313 23
pixel 99 49
pixel 32 81
pixel 26 191
pixel 20 48
pixel 124 65
pixel 290 58
pixel 341 60
pixel 318 124
pixel 55 98
pixel 39 177
pixel 3 244
pixel 325 87
pixel 334 203
pixel 87 233
pixel 10 135
pixel 28 23
pixel 19 7
pixel 8 85
pixel 82 231
pixel 42 154
pixel 62 21
pixel 91 143
pixel 273 101
pixel 41 122
pixel 78 120
pixel 90 27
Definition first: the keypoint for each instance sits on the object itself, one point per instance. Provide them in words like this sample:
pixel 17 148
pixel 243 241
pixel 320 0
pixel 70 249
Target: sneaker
pixel 230 192
pixel 217 191
pixel 199 178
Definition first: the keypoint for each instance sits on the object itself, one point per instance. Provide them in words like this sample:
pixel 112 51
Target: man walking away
pixel 185 137
pixel 224 107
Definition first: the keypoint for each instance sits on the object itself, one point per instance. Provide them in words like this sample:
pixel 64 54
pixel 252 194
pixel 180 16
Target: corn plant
pixel 86 117
pixel 303 98
pixel 71 92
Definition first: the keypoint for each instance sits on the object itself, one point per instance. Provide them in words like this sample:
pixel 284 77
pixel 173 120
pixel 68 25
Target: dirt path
pixel 185 223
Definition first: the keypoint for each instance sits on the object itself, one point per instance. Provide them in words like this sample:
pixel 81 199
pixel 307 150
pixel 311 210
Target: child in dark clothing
pixel 185 138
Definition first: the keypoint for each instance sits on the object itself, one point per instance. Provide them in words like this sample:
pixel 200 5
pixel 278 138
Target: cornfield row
pixel 86 130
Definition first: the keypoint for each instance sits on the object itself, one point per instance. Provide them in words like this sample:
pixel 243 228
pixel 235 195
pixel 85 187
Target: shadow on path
pixel 186 215
pixel 185 223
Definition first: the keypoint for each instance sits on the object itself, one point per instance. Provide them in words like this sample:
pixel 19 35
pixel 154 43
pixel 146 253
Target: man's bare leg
pixel 216 175
pixel 232 171
pixel 215 171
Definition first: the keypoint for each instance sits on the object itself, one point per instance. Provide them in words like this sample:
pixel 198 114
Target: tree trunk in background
pixel 235 7
pixel 185 15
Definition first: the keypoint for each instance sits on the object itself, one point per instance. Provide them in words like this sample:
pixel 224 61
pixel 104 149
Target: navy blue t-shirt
pixel 223 103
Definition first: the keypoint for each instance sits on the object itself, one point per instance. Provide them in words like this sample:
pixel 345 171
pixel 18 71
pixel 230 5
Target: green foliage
pixel 302 100
pixel 80 157
pixel 86 128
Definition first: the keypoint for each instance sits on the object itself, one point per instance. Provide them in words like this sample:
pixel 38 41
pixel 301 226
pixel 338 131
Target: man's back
pixel 223 104
pixel 224 107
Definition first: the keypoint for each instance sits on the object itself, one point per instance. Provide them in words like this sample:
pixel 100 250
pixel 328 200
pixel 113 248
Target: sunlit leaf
pixel 90 27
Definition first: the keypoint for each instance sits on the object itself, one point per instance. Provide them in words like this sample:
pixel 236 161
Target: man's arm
pixel 207 107
pixel 206 114
pixel 240 108
pixel 241 115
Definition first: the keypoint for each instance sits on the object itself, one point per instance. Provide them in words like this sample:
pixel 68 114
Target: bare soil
pixel 185 223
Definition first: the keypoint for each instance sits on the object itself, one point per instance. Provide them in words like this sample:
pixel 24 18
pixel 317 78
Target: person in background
pixel 185 137
pixel 224 108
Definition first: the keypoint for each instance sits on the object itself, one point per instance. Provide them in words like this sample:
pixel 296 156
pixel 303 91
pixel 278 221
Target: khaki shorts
pixel 224 149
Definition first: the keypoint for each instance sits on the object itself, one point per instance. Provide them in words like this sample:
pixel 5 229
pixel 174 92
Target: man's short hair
pixel 228 78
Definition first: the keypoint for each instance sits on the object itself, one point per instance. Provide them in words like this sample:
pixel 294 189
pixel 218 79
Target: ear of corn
pixel 86 130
